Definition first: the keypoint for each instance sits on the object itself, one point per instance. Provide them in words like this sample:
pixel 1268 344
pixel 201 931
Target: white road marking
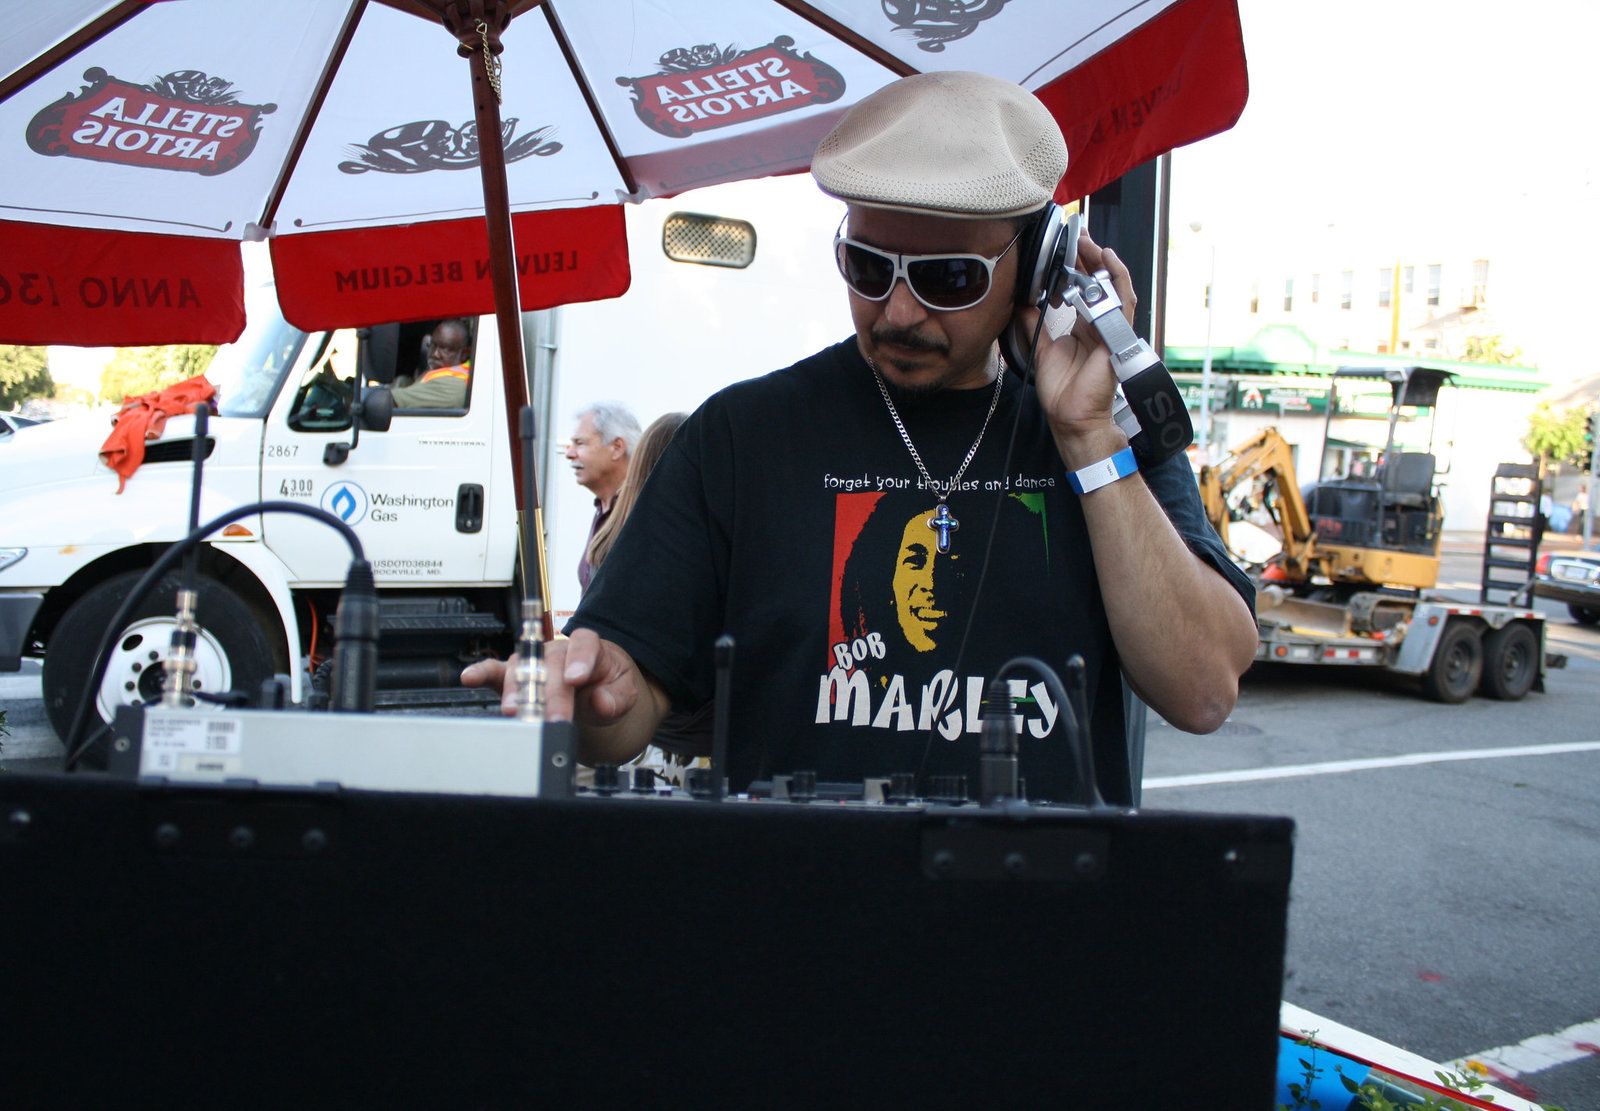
pixel 1540 1052
pixel 1338 767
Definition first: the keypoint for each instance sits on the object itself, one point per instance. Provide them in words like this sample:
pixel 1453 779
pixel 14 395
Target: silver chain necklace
pixel 941 521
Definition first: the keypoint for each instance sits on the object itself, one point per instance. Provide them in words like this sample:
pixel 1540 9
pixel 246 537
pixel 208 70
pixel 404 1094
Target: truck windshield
pixel 248 371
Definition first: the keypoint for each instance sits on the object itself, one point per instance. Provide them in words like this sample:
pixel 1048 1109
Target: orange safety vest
pixel 444 372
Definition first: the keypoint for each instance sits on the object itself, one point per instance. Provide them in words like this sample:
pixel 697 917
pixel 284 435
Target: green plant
pixel 1557 435
pixel 1302 1091
pixel 139 370
pixel 1491 349
pixel 1469 1080
pixel 24 374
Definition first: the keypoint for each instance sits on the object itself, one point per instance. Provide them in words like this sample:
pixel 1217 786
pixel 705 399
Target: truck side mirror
pixel 373 410
pixel 377 408
pixel 379 353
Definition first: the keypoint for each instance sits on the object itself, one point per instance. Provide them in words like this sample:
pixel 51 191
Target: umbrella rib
pixel 582 80
pixel 1070 47
pixel 119 216
pixel 313 108
pixel 86 35
pixel 437 213
pixel 434 10
pixel 850 37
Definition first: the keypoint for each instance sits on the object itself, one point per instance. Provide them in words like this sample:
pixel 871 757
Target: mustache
pixel 908 338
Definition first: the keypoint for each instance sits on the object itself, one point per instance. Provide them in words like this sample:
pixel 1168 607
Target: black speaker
pixel 242 948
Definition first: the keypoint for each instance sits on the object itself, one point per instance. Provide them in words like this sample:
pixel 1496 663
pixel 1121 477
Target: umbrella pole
pixel 477 25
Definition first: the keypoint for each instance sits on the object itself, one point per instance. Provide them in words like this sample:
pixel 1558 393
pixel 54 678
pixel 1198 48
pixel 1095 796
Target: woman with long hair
pixel 643 460
pixel 681 738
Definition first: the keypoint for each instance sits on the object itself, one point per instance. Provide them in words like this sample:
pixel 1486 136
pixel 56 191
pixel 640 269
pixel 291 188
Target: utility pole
pixel 1594 473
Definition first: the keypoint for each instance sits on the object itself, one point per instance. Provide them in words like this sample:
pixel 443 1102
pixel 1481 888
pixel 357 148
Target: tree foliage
pixel 136 370
pixel 24 375
pixel 1557 435
pixel 1491 349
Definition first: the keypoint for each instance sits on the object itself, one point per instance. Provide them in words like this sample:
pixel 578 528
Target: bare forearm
pixel 1183 634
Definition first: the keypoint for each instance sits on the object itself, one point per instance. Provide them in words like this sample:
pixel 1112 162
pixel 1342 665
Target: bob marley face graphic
pixel 922 583
pixel 898 586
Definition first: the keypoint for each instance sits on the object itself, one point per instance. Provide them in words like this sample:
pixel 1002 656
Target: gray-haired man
pixel 598 451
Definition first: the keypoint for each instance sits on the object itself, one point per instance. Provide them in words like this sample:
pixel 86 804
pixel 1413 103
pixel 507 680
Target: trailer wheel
pixel 1510 662
pixel 1584 615
pixel 232 651
pixel 1457 664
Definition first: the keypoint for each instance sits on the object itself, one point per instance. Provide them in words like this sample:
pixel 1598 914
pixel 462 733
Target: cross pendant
pixel 945 524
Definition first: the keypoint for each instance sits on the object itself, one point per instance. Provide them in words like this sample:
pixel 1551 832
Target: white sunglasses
pixel 943 283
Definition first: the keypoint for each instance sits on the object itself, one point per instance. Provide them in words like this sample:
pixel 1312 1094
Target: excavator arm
pixel 1264 455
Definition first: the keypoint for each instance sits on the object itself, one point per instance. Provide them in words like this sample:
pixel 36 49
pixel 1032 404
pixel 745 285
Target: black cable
pixel 355 642
pixel 1025 373
pixel 161 566
pixel 202 419
pixel 1074 711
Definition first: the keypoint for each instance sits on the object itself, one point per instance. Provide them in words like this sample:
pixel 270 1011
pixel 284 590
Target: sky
pixel 1421 125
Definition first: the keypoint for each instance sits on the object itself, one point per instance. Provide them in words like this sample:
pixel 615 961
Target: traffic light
pixel 1591 433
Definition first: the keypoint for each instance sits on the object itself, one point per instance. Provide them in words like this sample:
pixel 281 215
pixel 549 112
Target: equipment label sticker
pixel 171 739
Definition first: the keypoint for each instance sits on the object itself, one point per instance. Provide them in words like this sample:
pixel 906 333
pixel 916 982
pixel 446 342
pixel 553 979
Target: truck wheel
pixel 232 651
pixel 1510 662
pixel 1457 664
pixel 1584 615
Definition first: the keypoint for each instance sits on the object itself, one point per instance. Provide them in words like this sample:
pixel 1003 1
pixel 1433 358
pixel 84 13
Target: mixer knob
pixel 902 787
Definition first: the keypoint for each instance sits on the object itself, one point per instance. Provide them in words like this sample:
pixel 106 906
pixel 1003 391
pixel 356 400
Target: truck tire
pixel 1510 662
pixel 1584 615
pixel 1457 664
pixel 232 650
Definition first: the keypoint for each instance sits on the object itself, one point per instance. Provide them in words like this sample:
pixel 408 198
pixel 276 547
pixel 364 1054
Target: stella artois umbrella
pixel 143 139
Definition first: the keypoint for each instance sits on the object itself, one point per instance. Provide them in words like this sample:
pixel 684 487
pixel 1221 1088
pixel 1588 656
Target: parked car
pixel 1573 578
pixel 10 422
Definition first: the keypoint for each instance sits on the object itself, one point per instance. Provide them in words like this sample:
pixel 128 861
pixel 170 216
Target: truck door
pixel 414 494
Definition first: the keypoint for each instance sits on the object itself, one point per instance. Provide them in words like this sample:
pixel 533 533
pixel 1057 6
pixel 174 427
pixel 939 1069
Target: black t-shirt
pixel 788 513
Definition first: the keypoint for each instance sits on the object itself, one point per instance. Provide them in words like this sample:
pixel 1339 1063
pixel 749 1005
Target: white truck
pixel 431 497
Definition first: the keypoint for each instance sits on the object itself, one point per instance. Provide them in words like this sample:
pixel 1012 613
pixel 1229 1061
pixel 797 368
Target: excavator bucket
pixel 1279 607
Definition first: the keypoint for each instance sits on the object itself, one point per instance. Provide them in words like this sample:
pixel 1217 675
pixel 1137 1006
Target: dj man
pixel 763 502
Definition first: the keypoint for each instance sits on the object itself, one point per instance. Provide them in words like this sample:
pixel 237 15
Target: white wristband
pixel 1105 472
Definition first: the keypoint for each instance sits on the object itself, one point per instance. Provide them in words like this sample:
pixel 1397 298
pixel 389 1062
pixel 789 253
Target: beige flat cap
pixel 949 144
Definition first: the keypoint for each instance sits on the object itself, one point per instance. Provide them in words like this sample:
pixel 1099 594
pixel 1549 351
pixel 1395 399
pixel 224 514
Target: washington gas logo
pixel 186 120
pixel 346 501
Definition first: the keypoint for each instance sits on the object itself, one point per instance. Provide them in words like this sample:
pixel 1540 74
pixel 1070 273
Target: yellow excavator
pixel 1369 527
pixel 1350 582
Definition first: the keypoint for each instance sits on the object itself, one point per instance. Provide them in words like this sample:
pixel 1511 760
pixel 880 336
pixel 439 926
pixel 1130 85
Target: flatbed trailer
pixel 1455 649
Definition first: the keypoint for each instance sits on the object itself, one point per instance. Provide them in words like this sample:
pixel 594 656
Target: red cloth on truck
pixel 143 418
